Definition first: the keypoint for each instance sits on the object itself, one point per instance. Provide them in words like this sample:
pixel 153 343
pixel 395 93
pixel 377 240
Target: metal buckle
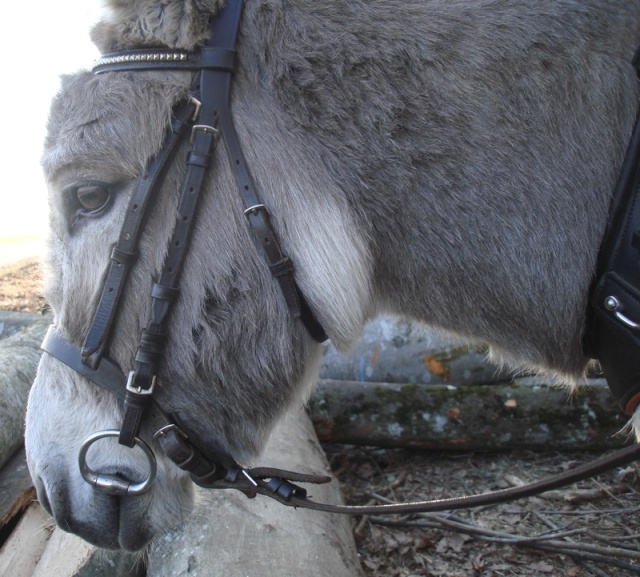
pixel 255 208
pixel 139 390
pixel 162 431
pixel 198 105
pixel 205 129
pixel 612 304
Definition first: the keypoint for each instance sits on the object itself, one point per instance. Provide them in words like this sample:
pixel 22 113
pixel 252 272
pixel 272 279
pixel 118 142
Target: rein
pixel 206 117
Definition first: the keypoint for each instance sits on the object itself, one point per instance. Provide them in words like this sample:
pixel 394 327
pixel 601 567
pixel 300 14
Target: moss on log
pixel 525 413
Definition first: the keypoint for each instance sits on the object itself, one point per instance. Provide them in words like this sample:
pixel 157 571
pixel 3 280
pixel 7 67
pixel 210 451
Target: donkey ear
pixel 104 36
pixel 172 23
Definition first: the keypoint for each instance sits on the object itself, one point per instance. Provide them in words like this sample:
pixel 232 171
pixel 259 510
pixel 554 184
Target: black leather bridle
pixel 206 117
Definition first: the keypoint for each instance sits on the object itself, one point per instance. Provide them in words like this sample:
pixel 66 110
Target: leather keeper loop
pixel 123 256
pixel 134 409
pixel 164 293
pixel 202 160
pixel 284 488
pixel 282 267
pixel 218 58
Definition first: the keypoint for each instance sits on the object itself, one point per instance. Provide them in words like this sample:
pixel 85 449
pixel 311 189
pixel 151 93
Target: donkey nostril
pixel 42 495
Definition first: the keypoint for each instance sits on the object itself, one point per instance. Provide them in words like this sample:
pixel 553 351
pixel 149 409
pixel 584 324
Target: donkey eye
pixel 92 197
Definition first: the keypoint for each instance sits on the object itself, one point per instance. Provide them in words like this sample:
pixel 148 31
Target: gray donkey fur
pixel 449 161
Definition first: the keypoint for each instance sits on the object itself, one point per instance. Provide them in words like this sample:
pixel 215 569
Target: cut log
pixel 526 413
pixel 66 555
pixel 13 322
pixel 21 552
pixel 16 491
pixel 393 351
pixel 19 355
pixel 234 536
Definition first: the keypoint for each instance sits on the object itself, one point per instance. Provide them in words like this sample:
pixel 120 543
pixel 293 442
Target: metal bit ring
pixel 113 484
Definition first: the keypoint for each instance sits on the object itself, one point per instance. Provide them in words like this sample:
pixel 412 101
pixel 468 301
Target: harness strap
pixel 125 250
pixel 216 62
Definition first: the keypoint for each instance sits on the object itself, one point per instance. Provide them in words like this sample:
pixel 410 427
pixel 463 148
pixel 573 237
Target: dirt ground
pixel 21 287
pixel 592 529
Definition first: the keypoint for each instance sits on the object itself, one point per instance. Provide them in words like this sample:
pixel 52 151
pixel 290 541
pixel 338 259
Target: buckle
pixel 205 129
pixel 131 388
pixel 255 208
pixel 162 431
pixel 198 105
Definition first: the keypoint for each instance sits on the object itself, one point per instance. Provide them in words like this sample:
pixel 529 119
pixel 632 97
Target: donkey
pixel 446 161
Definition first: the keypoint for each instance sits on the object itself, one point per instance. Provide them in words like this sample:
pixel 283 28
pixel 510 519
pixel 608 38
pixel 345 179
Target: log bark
pixel 526 413
pixel 19 355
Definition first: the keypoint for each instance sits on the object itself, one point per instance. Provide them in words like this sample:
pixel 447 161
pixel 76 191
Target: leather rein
pixel 206 118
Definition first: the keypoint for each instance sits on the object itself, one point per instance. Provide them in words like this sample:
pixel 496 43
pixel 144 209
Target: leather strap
pixel 125 251
pixel 216 61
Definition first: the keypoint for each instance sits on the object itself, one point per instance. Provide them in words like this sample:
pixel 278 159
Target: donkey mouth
pixel 121 525
pixel 106 521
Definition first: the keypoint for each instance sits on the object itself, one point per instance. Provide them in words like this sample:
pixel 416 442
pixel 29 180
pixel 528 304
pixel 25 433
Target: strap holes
pixel 110 289
pixel 191 189
pixel 135 207
pixel 237 161
pixel 177 243
pixel 246 187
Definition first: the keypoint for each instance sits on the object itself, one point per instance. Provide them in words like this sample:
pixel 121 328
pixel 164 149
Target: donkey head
pixel 235 356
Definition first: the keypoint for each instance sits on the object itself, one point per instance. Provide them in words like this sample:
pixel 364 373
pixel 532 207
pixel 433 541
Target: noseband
pixel 205 118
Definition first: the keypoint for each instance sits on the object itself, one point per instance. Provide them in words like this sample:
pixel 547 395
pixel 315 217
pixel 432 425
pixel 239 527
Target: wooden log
pixel 526 413
pixel 393 351
pixel 66 555
pixel 22 551
pixel 16 490
pixel 19 355
pixel 231 535
pixel 12 322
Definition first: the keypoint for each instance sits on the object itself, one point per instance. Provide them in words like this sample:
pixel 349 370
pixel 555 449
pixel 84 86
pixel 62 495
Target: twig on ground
pixel 548 541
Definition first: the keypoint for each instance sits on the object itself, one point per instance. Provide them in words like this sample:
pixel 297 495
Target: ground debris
pixel 21 287
pixel 529 537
